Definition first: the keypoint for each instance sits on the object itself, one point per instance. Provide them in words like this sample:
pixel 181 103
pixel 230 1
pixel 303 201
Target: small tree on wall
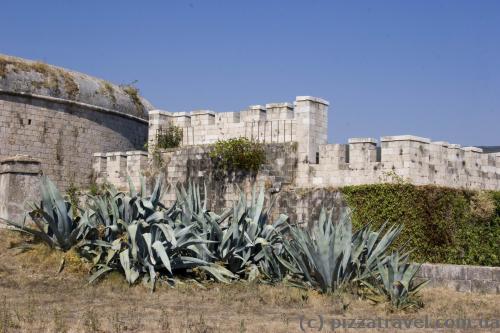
pixel 169 137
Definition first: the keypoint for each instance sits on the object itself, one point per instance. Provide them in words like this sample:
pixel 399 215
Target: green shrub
pixel 442 225
pixel 169 137
pixel 238 154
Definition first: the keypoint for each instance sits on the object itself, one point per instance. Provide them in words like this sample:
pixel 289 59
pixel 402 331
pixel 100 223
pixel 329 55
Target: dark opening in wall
pixel 317 157
pixel 29 121
pixel 379 154
pixel 347 153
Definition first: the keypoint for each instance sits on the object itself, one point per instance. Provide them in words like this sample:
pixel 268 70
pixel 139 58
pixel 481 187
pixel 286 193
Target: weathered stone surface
pixel 461 277
pixel 19 184
pixel 37 78
pixel 456 285
pixel 485 286
pixel 496 274
pixel 479 273
pixel 63 137
pixel 402 157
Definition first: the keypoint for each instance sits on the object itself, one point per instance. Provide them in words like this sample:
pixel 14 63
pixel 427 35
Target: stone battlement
pixel 116 167
pixel 408 158
pixel 405 157
pixel 304 121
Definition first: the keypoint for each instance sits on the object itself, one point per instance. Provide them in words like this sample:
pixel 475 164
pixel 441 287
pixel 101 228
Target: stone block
pixel 496 273
pixel 479 273
pixel 482 286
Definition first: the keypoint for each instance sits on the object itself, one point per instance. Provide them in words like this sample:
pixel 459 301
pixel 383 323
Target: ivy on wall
pixel 443 225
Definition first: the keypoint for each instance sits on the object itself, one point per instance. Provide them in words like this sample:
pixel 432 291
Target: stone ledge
pixel 473 149
pixel 462 277
pixel 20 164
pixel 312 99
pixel 362 140
pixel 279 105
pixel 136 152
pixel 441 143
pixel 157 111
pixel 75 103
pixel 405 138
pixel 116 153
pixel 257 107
pixel 202 112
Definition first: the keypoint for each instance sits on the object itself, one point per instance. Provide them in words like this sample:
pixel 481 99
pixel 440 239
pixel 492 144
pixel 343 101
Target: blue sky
pixel 429 67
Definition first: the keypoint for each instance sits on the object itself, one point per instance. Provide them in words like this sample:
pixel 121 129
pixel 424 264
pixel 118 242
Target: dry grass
pixel 51 77
pixel 35 298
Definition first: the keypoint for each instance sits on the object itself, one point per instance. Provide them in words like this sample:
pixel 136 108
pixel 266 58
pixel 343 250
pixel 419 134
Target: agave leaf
pixel 131 274
pixel 131 187
pixel 132 231
pixel 220 273
pixel 160 251
pixel 147 239
pixel 104 269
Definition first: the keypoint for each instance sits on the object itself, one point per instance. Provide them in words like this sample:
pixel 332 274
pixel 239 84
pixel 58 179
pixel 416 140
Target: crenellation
pixel 279 111
pixel 272 123
pixel 413 159
pixel 361 161
pixel 255 113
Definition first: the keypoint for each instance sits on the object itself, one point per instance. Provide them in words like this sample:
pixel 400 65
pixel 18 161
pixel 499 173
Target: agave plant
pixel 323 254
pixel 394 281
pixel 330 255
pixel 371 247
pixel 141 237
pixel 242 238
pixel 53 219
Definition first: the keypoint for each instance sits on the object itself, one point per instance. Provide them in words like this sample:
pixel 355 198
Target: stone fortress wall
pixel 319 164
pixel 60 118
pixel 305 121
pixel 63 137
pixel 405 158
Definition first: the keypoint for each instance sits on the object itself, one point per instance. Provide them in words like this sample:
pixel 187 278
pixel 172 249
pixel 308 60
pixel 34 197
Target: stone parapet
pixel 479 279
pixel 403 158
pixel 117 167
pixel 304 121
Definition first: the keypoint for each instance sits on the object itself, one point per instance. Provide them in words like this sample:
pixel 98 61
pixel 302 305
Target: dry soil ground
pixel 35 298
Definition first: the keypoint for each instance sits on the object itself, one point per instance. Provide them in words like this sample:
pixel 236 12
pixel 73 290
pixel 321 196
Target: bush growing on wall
pixel 238 154
pixel 442 225
pixel 170 137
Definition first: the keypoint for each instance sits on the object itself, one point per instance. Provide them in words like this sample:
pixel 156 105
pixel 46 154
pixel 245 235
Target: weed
pixel 116 324
pixel 133 93
pixel 165 325
pixel 107 89
pixel 58 321
pixel 91 321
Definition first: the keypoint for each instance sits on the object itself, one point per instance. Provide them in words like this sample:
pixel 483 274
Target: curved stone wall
pixel 64 134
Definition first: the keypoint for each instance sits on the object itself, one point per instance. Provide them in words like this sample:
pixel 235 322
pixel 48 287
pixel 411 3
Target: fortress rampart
pixel 305 121
pixel 63 136
pixel 361 161
pixel 60 118
pixel 404 158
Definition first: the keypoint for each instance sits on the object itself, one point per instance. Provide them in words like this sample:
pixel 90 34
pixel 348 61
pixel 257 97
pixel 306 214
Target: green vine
pixel 443 225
